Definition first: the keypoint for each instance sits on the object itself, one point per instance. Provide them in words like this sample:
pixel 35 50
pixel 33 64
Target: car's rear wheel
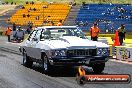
pixel 26 60
pixel 98 68
pixel 46 65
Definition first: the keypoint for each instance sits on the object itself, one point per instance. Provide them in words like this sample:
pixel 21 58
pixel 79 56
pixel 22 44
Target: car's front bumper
pixel 76 61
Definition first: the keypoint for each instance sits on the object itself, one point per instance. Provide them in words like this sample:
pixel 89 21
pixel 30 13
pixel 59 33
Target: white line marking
pixel 119 61
pixel 13 43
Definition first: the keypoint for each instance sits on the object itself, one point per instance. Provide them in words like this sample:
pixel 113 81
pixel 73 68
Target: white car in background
pixel 63 46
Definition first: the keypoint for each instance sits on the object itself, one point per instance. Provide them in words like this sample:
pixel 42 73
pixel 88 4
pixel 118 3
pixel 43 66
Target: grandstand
pixel 108 16
pixel 41 14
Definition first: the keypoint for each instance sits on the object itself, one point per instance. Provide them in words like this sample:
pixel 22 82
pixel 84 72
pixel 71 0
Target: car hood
pixel 72 42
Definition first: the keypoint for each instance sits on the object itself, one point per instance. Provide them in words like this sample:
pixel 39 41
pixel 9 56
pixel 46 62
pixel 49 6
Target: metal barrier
pixel 124 53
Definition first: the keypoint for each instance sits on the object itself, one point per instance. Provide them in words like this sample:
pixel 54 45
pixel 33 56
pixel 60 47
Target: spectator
pixel 3 3
pixel 59 23
pixel 83 3
pixel 70 3
pixel 24 15
pixel 121 33
pixel 74 4
pixel 30 8
pixel 94 31
pixel 77 23
pixel 28 30
pixel 106 30
pixel 29 27
pixel 81 23
pixel 19 34
pixel 122 10
pixel 34 9
pixel 14 31
pixel 28 15
pixel 121 16
pixel 32 2
pixel 37 17
pixel 23 7
pixel 7 3
pixel 8 19
pixel 8 33
pixel 14 27
pixel 108 12
pixel 11 3
pixel 52 23
pixel 112 29
pixel 44 21
pixel 27 2
pixel 28 11
pixel 86 23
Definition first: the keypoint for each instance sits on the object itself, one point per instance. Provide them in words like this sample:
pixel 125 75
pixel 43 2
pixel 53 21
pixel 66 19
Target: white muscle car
pixel 63 46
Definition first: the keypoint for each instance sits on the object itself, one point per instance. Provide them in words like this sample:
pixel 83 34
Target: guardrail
pixel 124 53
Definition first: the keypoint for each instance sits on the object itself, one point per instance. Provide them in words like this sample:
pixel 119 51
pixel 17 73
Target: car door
pixel 36 51
pixel 29 42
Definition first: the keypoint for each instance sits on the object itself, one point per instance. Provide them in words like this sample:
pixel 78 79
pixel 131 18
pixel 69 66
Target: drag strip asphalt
pixel 14 75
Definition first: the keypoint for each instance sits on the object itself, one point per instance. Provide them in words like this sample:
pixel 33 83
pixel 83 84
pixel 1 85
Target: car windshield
pixel 55 33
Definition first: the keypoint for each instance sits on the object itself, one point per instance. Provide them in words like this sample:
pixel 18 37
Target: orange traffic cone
pixel 116 39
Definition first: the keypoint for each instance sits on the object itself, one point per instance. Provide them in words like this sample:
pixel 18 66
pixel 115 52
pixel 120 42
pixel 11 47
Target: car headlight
pixel 59 53
pixel 99 52
pixel 103 51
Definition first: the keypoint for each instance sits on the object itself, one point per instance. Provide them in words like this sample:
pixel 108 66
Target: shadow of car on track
pixel 63 71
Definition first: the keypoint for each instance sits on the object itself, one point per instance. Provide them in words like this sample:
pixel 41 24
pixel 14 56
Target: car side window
pixel 37 35
pixel 32 35
pixel 45 34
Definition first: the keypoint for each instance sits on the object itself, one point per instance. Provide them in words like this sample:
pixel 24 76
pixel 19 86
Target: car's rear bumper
pixel 76 61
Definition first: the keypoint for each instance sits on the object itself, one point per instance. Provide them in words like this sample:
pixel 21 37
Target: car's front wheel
pixel 98 68
pixel 46 65
pixel 26 60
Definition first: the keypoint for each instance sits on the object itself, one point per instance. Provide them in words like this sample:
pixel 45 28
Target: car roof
pixel 57 27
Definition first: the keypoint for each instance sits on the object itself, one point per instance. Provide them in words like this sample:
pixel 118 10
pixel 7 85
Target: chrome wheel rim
pixel 24 58
pixel 45 64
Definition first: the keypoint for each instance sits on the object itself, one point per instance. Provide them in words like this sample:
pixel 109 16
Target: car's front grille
pixel 81 52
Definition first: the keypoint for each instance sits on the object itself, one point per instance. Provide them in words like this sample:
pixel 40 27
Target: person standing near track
pixel 59 23
pixel 14 31
pixel 19 34
pixel 121 33
pixel 8 33
pixel 94 31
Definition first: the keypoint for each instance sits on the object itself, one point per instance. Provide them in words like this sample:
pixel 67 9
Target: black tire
pixel 98 68
pixel 46 67
pixel 26 60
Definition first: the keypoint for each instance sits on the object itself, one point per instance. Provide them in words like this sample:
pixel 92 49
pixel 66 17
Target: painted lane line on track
pixel 119 61
pixel 10 50
pixel 13 43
